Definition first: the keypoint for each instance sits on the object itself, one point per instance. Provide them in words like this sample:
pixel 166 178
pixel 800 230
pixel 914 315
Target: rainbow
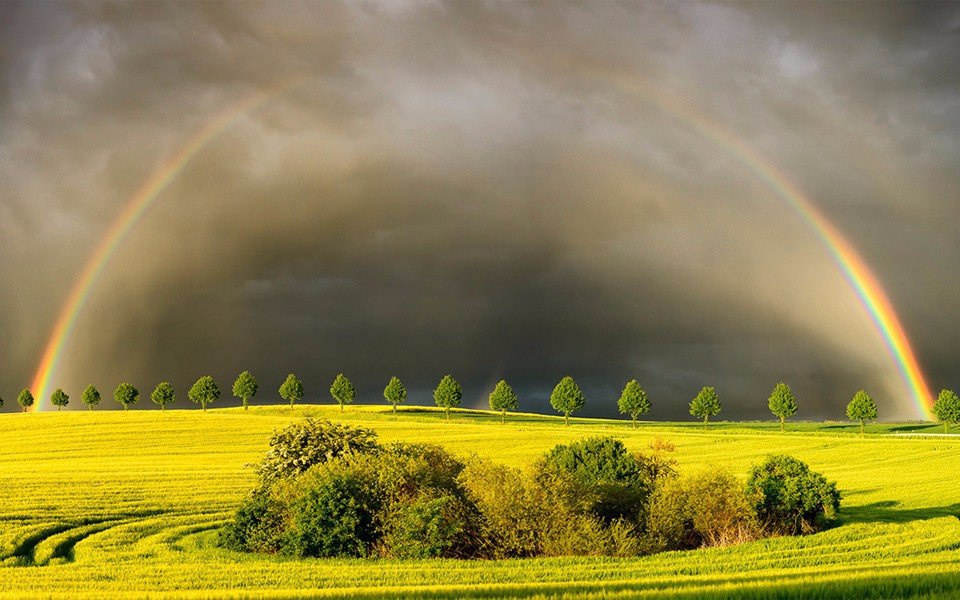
pixel 861 279
pixel 131 214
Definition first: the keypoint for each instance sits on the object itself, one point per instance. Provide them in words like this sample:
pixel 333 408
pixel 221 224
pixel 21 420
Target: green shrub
pixel 720 512
pixel 791 499
pixel 427 527
pixel 334 515
pixel 611 480
pixel 257 525
pixel 669 523
pixel 309 442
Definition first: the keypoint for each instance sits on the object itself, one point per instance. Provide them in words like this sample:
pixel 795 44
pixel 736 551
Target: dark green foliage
pixel 163 395
pixel 335 516
pixel 791 499
pixel 59 399
pixel 395 393
pixel 257 525
pixel 90 397
pixel 425 526
pixel 25 399
pixel 567 398
pixel 205 391
pixel 291 389
pixel 503 398
pixel 126 395
pixel 705 405
pixel 782 403
pixel 610 479
pixel 245 388
pixel 947 408
pixel 633 401
pixel 862 408
pixel 342 390
pixel 310 442
pixel 448 394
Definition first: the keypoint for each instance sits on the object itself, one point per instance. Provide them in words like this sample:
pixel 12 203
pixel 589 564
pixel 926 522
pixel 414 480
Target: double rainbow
pixel 861 279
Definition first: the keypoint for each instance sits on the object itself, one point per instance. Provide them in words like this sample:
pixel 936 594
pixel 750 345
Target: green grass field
pixel 128 503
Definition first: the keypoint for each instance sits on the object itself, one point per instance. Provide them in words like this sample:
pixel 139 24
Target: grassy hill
pixel 128 503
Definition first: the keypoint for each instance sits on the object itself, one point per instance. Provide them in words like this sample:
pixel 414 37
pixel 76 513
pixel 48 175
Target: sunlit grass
pixel 119 503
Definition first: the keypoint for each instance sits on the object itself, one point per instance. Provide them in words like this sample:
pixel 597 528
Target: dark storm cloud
pixel 469 188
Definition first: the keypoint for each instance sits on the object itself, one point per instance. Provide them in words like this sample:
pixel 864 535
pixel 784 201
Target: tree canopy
pixel 59 398
pixel 782 402
pixel 245 388
pixel 503 398
pixel 705 405
pixel 163 395
pixel 395 393
pixel 204 392
pixel 292 389
pixel 25 399
pixel 342 390
pixel 448 394
pixel 90 397
pixel 947 408
pixel 862 408
pixel 567 398
pixel 126 395
pixel 633 401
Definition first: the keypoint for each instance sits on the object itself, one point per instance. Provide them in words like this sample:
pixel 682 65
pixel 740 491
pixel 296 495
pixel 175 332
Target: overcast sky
pixel 484 189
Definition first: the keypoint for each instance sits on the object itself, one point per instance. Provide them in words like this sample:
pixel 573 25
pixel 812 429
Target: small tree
pixel 292 389
pixel 342 390
pixel 633 401
pixel 25 399
pixel 90 397
pixel 205 391
pixel 705 405
pixel 245 388
pixel 126 395
pixel 947 408
pixel 503 398
pixel 567 398
pixel 163 395
pixel 395 393
pixel 1 401
pixel 782 402
pixel 448 394
pixel 862 408
pixel 59 399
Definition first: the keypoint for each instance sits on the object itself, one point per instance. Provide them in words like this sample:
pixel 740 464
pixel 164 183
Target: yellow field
pixel 128 503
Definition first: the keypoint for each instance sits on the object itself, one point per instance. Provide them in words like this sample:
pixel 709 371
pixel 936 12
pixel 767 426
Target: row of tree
pixel 567 398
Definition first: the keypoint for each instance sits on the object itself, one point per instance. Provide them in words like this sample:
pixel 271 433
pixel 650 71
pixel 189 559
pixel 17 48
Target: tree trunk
pixel 781 424
pixel 246 405
pixel 89 407
pixel 503 416
pixel 341 407
pixel 705 423
pixel 394 409
pixel 945 427
pixel 448 414
pixel 861 428
pixel 58 408
pixel 126 407
pixel 634 421
pixel 566 419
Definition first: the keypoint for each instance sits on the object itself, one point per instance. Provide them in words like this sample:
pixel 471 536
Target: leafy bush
pixel 611 479
pixel 257 525
pixel 310 442
pixel 427 527
pixel 720 512
pixel 791 499
pixel 334 513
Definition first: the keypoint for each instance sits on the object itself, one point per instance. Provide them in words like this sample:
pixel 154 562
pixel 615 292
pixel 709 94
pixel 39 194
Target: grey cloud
pixel 466 188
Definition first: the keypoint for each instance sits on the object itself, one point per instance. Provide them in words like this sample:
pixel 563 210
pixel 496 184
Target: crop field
pixel 103 504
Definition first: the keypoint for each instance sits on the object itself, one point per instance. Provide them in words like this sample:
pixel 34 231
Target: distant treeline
pixel 567 398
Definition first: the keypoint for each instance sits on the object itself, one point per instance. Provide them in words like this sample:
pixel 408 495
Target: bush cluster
pixel 332 490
